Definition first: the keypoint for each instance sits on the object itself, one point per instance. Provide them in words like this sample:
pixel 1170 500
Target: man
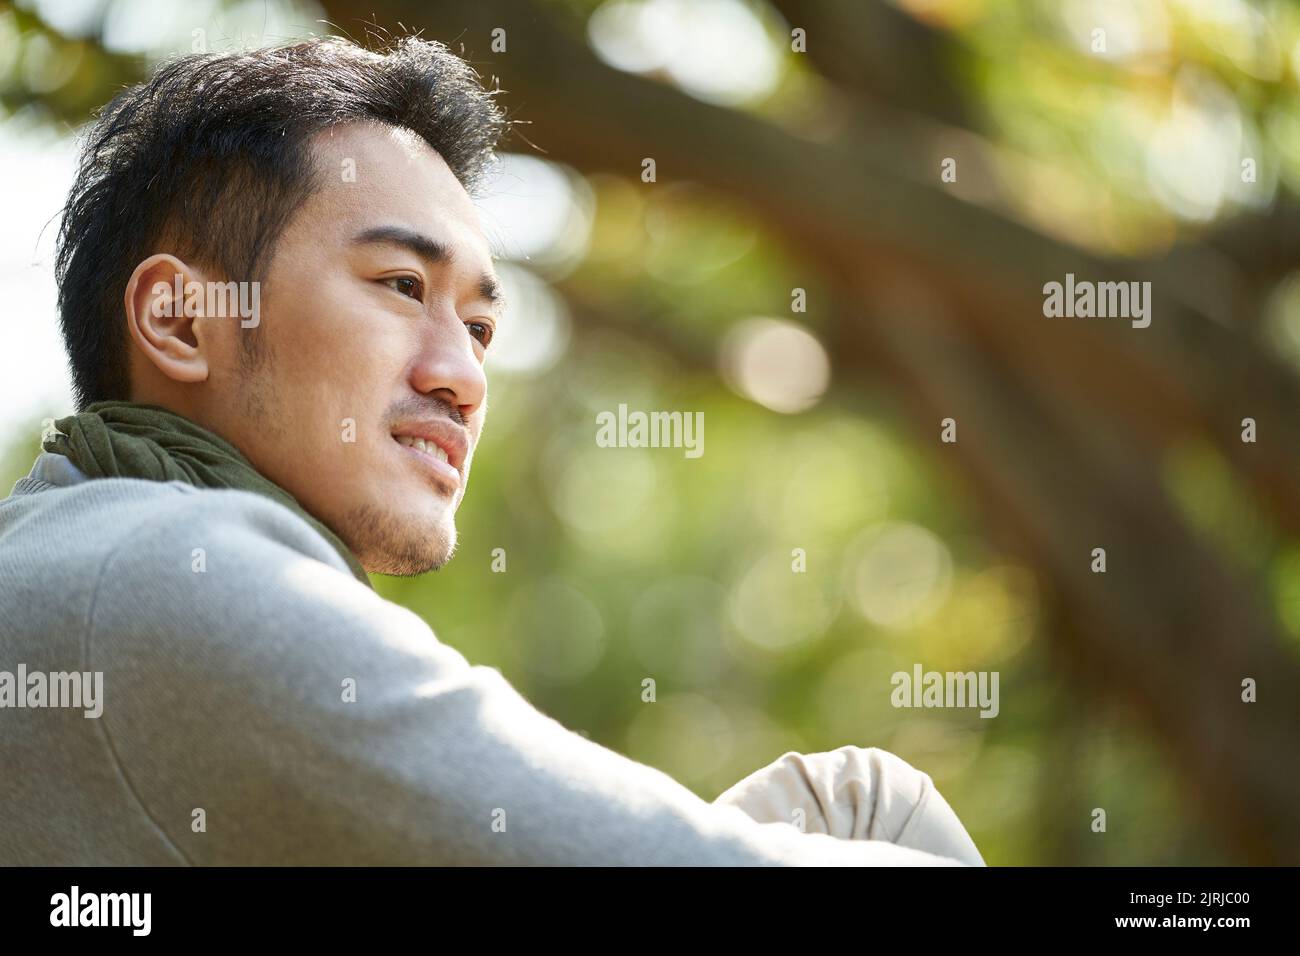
pixel 276 299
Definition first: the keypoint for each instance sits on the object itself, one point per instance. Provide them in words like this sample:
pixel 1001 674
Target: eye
pixel 483 331
pixel 409 286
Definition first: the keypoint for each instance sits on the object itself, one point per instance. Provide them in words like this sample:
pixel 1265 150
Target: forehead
pixel 375 175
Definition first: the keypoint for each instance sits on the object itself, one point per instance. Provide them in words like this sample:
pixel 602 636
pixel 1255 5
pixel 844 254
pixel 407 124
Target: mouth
pixel 438 446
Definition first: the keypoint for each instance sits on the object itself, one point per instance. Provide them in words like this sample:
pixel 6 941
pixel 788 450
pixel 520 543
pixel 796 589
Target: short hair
pixel 211 153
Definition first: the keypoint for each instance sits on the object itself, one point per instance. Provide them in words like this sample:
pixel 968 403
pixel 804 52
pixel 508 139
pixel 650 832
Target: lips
pixel 419 444
pixel 440 445
pixel 439 433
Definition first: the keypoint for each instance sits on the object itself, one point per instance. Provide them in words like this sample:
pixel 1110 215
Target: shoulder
pixel 86 536
pixel 137 521
pixel 234 597
pixel 247 672
pixel 222 551
pixel 226 568
pixel 225 521
pixel 220 572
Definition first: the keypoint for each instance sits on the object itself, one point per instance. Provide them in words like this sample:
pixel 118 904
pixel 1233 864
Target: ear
pixel 163 324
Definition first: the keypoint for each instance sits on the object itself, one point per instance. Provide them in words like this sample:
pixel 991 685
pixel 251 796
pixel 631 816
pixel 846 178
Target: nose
pixel 448 368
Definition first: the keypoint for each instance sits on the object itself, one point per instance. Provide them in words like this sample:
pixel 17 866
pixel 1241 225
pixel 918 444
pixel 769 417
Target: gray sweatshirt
pixel 230 694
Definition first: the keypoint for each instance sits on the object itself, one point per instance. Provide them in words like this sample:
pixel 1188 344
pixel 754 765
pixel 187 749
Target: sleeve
pixel 266 708
pixel 855 793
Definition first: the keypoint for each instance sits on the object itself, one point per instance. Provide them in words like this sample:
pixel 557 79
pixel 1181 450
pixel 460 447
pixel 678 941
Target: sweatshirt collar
pixel 49 471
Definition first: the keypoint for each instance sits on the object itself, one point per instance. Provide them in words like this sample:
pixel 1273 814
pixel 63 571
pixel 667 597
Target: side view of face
pixel 365 395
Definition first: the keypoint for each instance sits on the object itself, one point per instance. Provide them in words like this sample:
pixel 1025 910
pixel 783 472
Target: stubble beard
pixel 386 544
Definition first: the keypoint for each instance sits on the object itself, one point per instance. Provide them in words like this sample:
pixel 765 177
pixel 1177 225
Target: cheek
pixel 341 363
pixel 345 367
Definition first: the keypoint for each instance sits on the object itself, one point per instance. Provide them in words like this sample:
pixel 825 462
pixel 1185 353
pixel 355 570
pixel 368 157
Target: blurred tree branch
pixel 880 55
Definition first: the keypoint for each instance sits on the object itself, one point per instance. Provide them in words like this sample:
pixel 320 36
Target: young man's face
pixel 374 314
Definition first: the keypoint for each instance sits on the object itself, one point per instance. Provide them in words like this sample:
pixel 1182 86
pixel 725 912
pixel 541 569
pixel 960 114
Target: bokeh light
pixel 778 364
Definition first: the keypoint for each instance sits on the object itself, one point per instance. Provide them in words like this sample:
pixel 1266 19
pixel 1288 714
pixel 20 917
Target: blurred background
pixel 801 146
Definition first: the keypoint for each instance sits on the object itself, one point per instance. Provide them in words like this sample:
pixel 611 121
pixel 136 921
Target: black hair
pixel 211 154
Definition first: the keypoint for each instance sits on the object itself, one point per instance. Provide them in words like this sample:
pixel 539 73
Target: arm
pixel 225 690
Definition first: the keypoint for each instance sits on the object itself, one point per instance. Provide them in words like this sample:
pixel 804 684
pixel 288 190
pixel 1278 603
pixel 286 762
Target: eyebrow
pixel 432 251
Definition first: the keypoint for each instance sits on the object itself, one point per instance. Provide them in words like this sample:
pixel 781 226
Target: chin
pixel 414 554
pixel 388 543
